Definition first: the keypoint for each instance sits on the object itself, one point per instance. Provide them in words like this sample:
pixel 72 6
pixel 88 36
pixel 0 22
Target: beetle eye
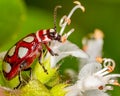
pixel 52 34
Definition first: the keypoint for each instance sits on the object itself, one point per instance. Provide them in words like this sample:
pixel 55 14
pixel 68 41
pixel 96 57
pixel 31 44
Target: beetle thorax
pixel 46 35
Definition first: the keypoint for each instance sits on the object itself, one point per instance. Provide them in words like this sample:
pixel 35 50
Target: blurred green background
pixel 21 17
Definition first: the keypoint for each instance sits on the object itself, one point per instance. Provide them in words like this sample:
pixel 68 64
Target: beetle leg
pixel 29 69
pixel 23 65
pixel 50 51
pixel 41 64
pixel 20 80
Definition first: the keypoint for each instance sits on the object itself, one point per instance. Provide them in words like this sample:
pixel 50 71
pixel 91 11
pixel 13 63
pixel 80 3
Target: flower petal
pixel 95 93
pixel 89 69
pixel 64 50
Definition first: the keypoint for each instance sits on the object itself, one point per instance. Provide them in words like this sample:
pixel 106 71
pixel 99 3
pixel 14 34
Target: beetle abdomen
pixel 20 56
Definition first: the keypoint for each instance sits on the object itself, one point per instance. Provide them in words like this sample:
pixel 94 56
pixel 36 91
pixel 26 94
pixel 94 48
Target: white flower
pixel 90 81
pixel 92 45
pixel 65 49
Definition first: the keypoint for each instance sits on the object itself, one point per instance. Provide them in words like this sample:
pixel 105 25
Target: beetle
pixel 21 55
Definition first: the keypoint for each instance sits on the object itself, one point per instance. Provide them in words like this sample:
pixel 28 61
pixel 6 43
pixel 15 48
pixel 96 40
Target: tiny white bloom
pixel 94 79
pixel 92 45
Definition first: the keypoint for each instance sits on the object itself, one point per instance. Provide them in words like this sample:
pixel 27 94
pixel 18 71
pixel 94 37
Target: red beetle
pixel 24 52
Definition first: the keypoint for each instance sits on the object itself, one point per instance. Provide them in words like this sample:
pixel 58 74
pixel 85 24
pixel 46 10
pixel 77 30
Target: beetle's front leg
pixel 41 64
pixel 50 50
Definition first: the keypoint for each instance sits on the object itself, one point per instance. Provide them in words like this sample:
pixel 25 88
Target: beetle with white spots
pixel 21 55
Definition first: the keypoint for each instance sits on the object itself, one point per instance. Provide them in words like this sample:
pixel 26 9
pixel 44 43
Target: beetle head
pixel 53 35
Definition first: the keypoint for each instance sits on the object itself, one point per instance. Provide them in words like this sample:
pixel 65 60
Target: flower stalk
pixel 67 18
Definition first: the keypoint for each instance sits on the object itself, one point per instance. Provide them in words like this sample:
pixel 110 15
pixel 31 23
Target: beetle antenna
pixel 55 15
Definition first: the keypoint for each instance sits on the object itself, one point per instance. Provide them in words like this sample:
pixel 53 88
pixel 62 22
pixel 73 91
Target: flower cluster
pixel 94 77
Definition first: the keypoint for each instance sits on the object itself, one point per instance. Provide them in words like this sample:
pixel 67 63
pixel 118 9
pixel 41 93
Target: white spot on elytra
pixel 11 51
pixel 22 52
pixel 6 67
pixel 28 39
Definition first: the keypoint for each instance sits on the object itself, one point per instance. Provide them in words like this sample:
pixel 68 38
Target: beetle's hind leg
pixel 20 81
